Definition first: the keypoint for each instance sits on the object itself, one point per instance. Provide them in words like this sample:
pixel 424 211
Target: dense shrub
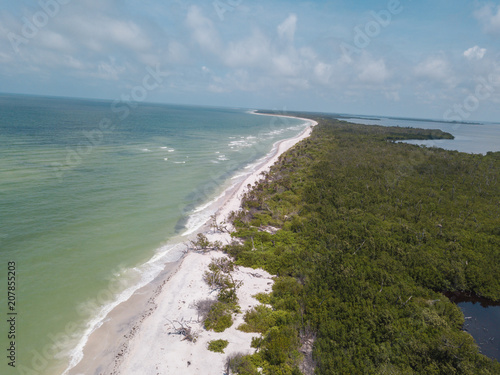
pixel 217 346
pixel 371 232
pixel 262 318
pixel 219 317
pixel 240 364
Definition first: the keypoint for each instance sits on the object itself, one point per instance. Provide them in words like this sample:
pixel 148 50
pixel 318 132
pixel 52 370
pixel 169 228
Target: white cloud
pixel 217 89
pixel 5 58
pixel 437 69
pixel 73 63
pixel 323 72
pixel 103 32
pixel 259 53
pixel 489 18
pixel 110 70
pixel 284 65
pixel 392 95
pixel 475 53
pixel 54 40
pixel 372 71
pixel 125 33
pixel 246 54
pixel 177 52
pixel 203 30
pixel 252 51
pixel 286 30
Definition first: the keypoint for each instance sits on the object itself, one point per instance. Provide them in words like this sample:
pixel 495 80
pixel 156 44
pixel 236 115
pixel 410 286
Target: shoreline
pixel 123 341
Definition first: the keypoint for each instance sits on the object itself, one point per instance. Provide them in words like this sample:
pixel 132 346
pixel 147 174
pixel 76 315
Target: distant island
pixel 371 118
pixel 438 121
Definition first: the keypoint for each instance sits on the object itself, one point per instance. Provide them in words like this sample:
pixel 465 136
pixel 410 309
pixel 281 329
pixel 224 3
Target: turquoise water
pixel 91 204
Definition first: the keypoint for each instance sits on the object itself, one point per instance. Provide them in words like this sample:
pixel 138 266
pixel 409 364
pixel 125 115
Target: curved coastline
pixel 108 348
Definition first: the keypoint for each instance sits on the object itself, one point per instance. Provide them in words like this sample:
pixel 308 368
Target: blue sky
pixel 434 59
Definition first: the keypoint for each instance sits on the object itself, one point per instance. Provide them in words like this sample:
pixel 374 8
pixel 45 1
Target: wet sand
pixel 136 336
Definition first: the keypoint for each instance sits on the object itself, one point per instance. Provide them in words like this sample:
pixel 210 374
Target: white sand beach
pixel 138 335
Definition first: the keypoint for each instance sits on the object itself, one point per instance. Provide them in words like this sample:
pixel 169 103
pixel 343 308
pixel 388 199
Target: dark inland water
pixel 482 321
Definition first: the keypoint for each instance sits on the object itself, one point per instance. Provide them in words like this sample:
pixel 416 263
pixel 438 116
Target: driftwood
pixel 222 227
pixel 183 329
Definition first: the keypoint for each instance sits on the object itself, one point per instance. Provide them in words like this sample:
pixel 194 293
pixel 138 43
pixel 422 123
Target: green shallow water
pixel 83 211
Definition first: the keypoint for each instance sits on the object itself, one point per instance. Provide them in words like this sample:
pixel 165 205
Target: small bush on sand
pixel 202 243
pixel 217 346
pixel 219 317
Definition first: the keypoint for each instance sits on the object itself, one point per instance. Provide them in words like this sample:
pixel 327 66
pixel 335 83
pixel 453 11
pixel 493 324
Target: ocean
pixel 93 203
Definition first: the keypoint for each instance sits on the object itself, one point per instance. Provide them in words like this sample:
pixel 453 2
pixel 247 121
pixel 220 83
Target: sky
pixel 435 59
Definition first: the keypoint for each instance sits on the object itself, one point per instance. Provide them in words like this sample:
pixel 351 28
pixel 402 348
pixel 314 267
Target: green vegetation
pixel 217 346
pixel 371 232
pixel 203 244
pixel 263 298
pixel 241 364
pixel 217 315
pixel 262 318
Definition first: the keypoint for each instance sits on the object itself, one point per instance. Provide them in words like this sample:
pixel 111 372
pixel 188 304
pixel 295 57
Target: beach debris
pixel 203 244
pixel 256 275
pixel 182 329
pixel 218 227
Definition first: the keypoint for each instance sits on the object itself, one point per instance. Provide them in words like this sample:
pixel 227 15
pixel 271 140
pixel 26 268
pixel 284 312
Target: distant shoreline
pixel 115 347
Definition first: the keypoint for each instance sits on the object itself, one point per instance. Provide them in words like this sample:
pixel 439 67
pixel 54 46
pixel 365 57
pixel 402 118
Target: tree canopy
pixel 371 232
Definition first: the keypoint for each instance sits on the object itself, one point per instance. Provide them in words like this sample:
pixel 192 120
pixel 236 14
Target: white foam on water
pixel 275 132
pixel 239 175
pixel 202 213
pixel 196 221
pixel 165 254
pixel 148 272
pixel 242 144
pixel 204 206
